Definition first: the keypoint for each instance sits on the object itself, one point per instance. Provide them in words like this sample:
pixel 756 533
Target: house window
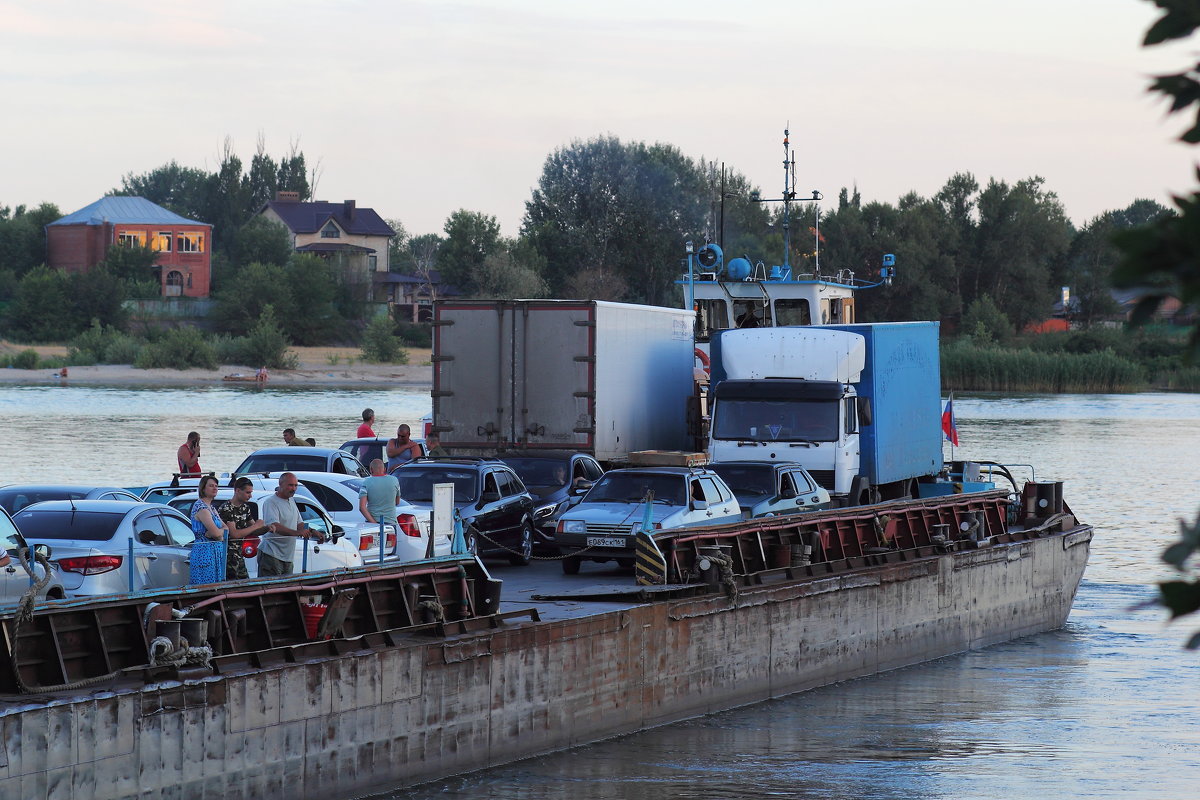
pixel 161 242
pixel 190 242
pixel 372 263
pixel 330 231
pixel 132 239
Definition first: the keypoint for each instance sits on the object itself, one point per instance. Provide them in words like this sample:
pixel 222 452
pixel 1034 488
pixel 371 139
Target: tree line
pixel 606 220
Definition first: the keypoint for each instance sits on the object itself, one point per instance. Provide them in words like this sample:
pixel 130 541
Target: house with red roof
pixel 80 241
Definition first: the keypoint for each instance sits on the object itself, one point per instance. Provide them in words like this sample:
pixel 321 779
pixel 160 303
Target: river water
pixel 1109 706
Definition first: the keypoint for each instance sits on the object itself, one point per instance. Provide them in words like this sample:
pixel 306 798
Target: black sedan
pixel 496 508
pixel 553 477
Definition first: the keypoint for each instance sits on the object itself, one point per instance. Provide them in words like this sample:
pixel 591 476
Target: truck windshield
pixel 741 420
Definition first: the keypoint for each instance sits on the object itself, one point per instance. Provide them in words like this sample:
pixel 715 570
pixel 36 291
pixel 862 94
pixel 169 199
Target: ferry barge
pixel 340 684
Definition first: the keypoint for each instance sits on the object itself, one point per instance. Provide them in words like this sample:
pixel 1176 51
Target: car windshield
pixel 775 420
pixel 97 526
pixel 747 481
pixel 540 472
pixel 416 484
pixel 13 500
pixel 282 463
pixel 631 487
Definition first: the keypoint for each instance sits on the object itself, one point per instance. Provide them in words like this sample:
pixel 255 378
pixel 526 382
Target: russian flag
pixel 949 429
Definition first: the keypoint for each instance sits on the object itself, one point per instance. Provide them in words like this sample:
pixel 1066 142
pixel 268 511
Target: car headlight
pixel 574 526
pixel 547 511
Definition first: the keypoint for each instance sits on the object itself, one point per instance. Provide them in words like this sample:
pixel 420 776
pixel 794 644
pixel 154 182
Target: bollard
pixel 381 540
pixel 304 557
pixel 224 565
pixel 131 564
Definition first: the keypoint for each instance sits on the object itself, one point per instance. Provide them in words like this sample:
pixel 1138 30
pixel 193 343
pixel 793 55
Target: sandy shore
pixel 319 366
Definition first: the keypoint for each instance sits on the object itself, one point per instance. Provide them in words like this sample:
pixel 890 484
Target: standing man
pixel 402 449
pixel 241 517
pixel 433 446
pixel 277 549
pixel 188 455
pixel 379 495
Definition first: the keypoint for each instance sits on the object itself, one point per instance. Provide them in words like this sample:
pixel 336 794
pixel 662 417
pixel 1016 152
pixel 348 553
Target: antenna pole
pixel 787 201
pixel 817 243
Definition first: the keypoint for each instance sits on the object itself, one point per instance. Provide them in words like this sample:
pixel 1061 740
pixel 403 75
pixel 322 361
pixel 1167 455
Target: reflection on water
pixel 1106 707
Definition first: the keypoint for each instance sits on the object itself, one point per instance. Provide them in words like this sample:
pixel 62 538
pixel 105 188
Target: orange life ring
pixel 703 356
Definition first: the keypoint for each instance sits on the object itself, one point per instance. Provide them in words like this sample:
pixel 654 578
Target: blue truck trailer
pixel 858 405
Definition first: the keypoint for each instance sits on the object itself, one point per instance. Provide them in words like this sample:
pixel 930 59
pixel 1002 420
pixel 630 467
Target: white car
pixel 338 495
pixel 14 580
pixel 342 553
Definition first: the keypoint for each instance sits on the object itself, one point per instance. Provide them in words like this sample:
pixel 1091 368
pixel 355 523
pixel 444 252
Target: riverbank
pixel 317 366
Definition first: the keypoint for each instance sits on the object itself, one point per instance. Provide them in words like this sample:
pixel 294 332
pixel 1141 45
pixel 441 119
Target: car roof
pixel 60 487
pixel 104 506
pixel 300 451
pixel 560 455
pixel 680 471
pixel 365 440
pixel 458 461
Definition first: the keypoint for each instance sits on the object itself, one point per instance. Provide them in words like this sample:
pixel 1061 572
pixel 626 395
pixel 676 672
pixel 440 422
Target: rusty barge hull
pixel 382 712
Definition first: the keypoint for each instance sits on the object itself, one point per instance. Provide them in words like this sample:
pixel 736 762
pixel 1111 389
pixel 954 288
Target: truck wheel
pixel 524 548
pixel 570 565
pixel 861 492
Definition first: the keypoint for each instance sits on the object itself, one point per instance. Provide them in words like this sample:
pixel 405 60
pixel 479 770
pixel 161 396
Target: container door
pixel 554 375
pixel 472 374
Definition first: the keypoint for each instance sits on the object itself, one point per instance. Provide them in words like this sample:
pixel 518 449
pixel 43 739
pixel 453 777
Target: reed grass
pixel 987 368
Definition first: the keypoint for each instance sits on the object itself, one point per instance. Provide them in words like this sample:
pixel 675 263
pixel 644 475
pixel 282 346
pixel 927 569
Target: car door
pixel 163 545
pixel 722 507
pixel 497 514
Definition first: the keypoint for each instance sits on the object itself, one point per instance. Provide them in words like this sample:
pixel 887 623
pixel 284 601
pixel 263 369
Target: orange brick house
pixel 79 241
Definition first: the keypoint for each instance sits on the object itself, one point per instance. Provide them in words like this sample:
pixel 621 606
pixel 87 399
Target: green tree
pixel 23 236
pixel 240 304
pixel 264 241
pixel 183 190
pixel 1165 256
pixel 400 255
pixel 470 238
pixel 130 264
pixel 315 296
pixel 95 296
pixel 618 209
pixel 40 306
pixel 380 344
pixel 1093 255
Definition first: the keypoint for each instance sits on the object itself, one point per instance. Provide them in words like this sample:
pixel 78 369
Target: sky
pixel 417 109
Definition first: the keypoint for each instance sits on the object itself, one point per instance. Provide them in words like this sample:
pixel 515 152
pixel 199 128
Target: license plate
pixel 607 541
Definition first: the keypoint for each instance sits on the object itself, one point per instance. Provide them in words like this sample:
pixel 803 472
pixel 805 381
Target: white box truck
pixel 586 375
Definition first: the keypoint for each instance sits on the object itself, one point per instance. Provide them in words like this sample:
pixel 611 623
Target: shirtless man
pixel 188 455
pixel 402 449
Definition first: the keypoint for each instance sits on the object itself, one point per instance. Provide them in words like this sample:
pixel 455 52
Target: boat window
pixel 792 312
pixel 752 314
pixel 711 315
pixel 775 420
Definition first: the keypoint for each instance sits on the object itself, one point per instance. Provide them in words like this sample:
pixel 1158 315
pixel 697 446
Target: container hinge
pixel 441 393
pixel 591 430
pixel 588 395
pixel 588 359
pixel 441 358
pixel 585 323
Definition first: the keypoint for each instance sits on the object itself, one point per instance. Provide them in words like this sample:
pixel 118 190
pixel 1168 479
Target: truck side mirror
pixel 864 411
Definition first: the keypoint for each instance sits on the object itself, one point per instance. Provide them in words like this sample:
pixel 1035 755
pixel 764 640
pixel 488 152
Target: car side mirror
pixel 699 505
pixel 42 551
pixel 146 537
pixel 579 489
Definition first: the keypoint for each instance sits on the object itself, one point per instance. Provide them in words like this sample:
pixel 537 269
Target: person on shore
pixel 261 376
pixel 402 449
pixel 210 530
pixel 277 548
pixel 379 495
pixel 241 517
pixel 365 430
pixel 433 446
pixel 188 455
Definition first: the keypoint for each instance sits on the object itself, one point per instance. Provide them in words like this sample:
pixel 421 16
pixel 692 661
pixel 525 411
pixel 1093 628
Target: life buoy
pixel 250 547
pixel 703 356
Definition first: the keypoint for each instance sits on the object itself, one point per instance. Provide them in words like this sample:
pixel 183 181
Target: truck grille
pixel 823 477
pixel 609 530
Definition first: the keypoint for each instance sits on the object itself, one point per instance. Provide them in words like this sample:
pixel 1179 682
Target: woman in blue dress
pixel 208 553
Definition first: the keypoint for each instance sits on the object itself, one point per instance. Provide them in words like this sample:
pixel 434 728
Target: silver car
pixel 16 496
pixel 14 580
pixel 108 546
